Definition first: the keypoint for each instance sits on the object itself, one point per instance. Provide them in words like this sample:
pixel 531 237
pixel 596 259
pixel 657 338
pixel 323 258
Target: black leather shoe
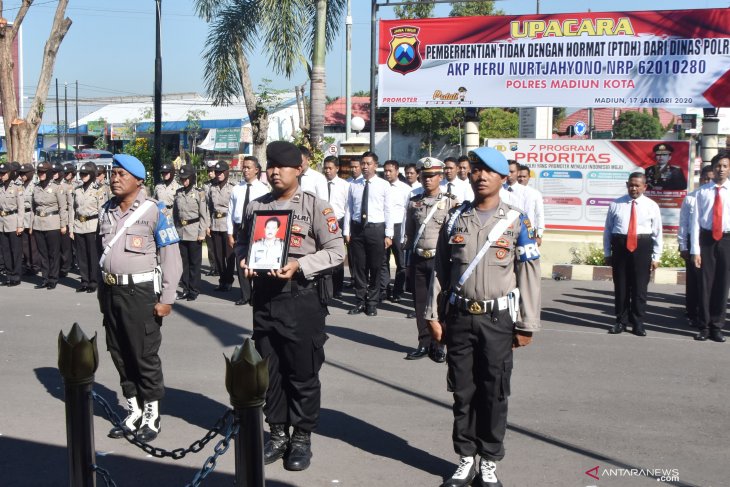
pixel 223 288
pixel 703 335
pixel 90 289
pixel 51 285
pixel 182 296
pixel 616 329
pixel 639 331
pixel 13 283
pixel 277 445
pixel 240 302
pixel 371 311
pixel 146 434
pixel 716 335
pixel 357 310
pixel 63 274
pixel 337 295
pixel 192 297
pixel 420 352
pixel 437 354
pixel 41 285
pixel 82 289
pixel 395 299
pixel 298 456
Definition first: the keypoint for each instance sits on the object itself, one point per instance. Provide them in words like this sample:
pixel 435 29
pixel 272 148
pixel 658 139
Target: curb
pixel 572 272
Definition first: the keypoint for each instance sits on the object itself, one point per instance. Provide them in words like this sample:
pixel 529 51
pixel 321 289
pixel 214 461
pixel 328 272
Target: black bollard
pixel 247 378
pixel 78 360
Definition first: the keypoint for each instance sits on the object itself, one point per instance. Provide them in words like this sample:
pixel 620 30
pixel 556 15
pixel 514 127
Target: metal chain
pixel 156 452
pixel 220 448
pixel 104 474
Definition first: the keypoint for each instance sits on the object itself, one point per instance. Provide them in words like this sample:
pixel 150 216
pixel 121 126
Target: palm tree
pixel 283 30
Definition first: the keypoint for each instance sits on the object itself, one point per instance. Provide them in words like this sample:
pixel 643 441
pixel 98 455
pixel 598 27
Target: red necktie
pixel 717 215
pixel 631 238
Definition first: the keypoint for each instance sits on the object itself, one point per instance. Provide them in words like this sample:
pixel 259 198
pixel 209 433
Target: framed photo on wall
pixel 269 240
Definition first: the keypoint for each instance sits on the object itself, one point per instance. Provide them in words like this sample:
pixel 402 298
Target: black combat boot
pixel 278 443
pixel 300 451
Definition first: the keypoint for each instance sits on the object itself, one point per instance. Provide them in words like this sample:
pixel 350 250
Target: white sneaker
pixel 150 427
pixel 488 473
pixel 464 475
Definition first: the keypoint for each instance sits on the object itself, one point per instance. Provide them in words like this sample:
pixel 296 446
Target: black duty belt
pixel 477 307
pixel 640 236
pixel 169 207
pixel 709 232
pixel 8 212
pixel 46 213
pixel 86 218
pixel 220 214
pixel 185 223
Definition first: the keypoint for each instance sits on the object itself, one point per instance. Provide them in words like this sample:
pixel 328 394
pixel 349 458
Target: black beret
pixel 221 166
pixel 283 154
pixel 186 171
pixel 15 166
pixel 27 167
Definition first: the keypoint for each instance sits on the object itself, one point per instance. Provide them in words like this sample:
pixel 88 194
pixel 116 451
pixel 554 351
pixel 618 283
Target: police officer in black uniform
pixel 289 306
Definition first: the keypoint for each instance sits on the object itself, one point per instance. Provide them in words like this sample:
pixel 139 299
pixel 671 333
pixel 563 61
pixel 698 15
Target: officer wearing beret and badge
pixel 12 215
pixel 165 191
pixel 31 258
pixel 66 181
pixel 425 214
pixel 190 213
pixel 88 199
pixel 664 176
pixel 141 267
pixel 484 301
pixel 49 221
pixel 289 306
pixel 219 197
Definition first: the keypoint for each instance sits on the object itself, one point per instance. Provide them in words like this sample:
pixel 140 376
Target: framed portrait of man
pixel 269 240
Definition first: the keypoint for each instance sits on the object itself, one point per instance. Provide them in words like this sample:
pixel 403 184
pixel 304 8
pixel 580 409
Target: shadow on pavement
pixel 365 338
pixel 227 333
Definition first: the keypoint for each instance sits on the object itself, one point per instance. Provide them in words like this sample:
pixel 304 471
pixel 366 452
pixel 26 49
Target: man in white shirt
pixel 632 246
pixel 452 185
pixel 401 193
pixel 411 174
pixel 463 169
pixel 242 194
pixel 512 192
pixel 312 180
pixel 534 207
pixel 368 230
pixel 337 189
pixel 355 169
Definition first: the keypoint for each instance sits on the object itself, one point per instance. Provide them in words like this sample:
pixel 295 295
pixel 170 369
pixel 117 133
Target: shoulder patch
pixel 332 225
pixel 327 211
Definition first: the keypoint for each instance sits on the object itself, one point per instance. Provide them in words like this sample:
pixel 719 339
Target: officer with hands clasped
pixel 141 267
pixel 289 306
pixel 484 301
pixel 88 199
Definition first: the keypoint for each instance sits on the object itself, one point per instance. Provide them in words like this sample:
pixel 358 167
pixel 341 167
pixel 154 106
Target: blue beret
pixel 130 164
pixel 491 158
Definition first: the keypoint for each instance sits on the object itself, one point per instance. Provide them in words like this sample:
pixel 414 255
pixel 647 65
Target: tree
pixel 21 132
pixel 471 9
pixel 193 127
pixel 498 123
pixel 637 125
pixel 419 10
pixel 430 123
pixel 285 30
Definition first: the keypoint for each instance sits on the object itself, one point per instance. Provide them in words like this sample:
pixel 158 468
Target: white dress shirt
pixel 514 195
pixel 459 188
pixel 686 213
pixel 379 204
pixel 238 196
pixel 702 217
pixel 337 195
pixel 399 200
pixel 534 208
pixel 314 182
pixel 648 222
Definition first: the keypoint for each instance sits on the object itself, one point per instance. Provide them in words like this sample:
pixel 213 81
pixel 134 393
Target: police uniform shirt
pixel 379 204
pixel 87 202
pixel 267 253
pixel 648 222
pixel 399 200
pixel 534 208
pixel 218 199
pixel 28 203
pixel 238 197
pixel 513 260
pixel 188 206
pixel 137 250
pixel 702 219
pixel 337 195
pixel 418 209
pixel 686 213
pixel 315 237
pixel 459 188
pixel 165 193
pixel 68 188
pixel 51 199
pixel 12 207
pixel 314 182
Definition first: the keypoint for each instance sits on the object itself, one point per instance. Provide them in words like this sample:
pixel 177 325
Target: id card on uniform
pixel 269 239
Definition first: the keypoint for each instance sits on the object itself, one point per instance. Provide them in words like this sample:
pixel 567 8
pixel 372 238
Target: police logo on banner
pixel 404 56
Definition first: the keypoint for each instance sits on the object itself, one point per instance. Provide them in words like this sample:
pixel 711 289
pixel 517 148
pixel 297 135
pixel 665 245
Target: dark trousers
pixel 691 290
pixel 714 280
pixel 243 282
pixel 338 273
pixel 31 258
pixel 133 338
pixel 49 248
pixel 480 368
pixel 631 273
pixel 11 247
pixel 87 255
pixel 400 265
pixel 224 256
pixel 288 329
pixel 367 245
pixel 191 253
pixel 211 255
pixel 421 270
pixel 67 259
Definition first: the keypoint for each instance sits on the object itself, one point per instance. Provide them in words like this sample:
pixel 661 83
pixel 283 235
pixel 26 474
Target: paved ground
pixel 581 398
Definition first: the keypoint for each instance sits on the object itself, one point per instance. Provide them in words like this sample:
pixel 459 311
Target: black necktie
pixel 364 206
pixel 245 199
pixel 449 187
pixel 329 190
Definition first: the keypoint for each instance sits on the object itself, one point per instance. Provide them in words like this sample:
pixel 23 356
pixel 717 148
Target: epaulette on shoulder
pixel 418 197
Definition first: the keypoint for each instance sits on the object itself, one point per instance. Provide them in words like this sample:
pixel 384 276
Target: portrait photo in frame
pixel 269 239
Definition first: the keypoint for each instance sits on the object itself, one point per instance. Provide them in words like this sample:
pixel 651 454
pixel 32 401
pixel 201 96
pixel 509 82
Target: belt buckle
pixel 82 219
pixel 428 253
pixel 42 214
pixel 475 308
pixel 2 213
pixel 184 223
pixel 110 279
pixel 218 214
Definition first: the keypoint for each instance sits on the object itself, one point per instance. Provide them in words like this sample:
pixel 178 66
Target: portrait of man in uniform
pixel 664 176
pixel 270 237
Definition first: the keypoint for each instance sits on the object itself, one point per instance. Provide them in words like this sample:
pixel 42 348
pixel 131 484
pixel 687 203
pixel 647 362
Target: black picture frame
pixel 266 253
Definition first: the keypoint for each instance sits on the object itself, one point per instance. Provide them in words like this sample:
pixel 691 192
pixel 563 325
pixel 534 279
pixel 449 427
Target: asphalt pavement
pixel 635 408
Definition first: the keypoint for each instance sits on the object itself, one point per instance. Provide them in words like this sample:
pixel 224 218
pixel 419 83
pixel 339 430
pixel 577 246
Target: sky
pixel 110 48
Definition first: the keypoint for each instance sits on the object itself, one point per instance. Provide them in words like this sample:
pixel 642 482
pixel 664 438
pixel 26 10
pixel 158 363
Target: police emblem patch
pixel 327 211
pixel 296 228
pixel 137 242
pixel 332 224
pixel 457 239
pixel 404 56
pixel 295 241
pixel 501 253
